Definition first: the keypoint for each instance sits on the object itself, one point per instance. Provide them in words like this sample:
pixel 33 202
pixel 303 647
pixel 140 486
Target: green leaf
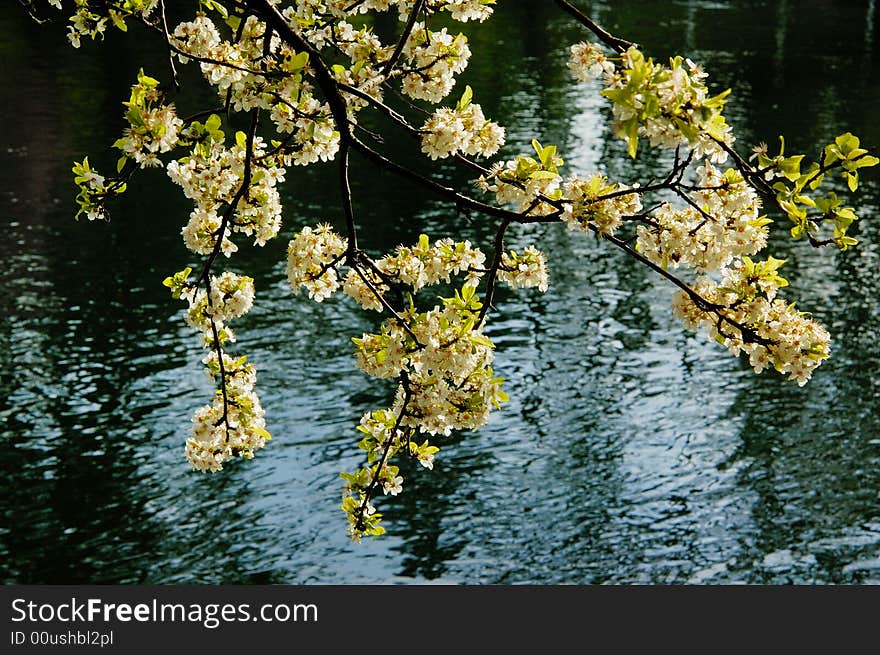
pixel 865 161
pixel 632 138
pixel 216 6
pixel 548 156
pixel 852 180
pixel 118 21
pixel 466 98
pixel 791 167
pixel 134 117
pixel 717 101
pixel 213 123
pixel 832 154
pixel 846 143
pixel 538 147
pixel 300 60
pixel 845 242
pixel 146 80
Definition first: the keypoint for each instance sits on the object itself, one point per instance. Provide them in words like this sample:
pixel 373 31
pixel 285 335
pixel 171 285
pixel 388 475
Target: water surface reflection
pixel 630 452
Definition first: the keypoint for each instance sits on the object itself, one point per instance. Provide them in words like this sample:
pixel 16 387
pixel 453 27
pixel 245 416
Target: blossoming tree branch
pixel 305 71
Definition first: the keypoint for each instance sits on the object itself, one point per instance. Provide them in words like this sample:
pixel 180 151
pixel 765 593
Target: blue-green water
pixel 631 451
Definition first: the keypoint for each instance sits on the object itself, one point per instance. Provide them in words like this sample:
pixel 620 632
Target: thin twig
pixel 404 37
pixel 613 42
pixel 174 79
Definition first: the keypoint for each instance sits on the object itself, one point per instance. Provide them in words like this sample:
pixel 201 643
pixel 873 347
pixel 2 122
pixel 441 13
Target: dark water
pixel 631 451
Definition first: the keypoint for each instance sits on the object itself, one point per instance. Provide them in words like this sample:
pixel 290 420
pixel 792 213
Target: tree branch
pixel 613 42
pixel 404 37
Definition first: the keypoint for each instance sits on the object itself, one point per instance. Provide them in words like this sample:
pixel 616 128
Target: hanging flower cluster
pixel 463 129
pixel 435 58
pixel 669 105
pixel 311 260
pixel 525 270
pixel 443 361
pixel 756 321
pixel 440 357
pixel 527 183
pixel 89 22
pixel 154 127
pixel 723 224
pixel 594 203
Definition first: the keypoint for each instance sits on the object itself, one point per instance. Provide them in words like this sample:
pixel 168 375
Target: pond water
pixel 631 451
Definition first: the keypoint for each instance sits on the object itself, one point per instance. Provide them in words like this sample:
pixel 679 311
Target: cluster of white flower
pixel 596 203
pixel 525 184
pixel 460 10
pixel 773 333
pixel 359 45
pixel 687 113
pixel 441 403
pixel 463 129
pixel 384 439
pixel 198 37
pixel 441 357
pixel 384 354
pixel 201 232
pixel 212 176
pixel 671 106
pixel 87 23
pixel 726 226
pixel 224 430
pixel 157 132
pixel 231 296
pixel 366 294
pixel 347 7
pixel 315 137
pixel 240 376
pixel 278 86
pixel 447 363
pixel 311 259
pixel 465 10
pixel 233 425
pixel 224 63
pixel 447 383
pixel 434 60
pixel 716 231
pixel 417 266
pixel 587 61
pixel 367 55
pixel 153 128
pixel 93 190
pixel 525 270
pixel 425 264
